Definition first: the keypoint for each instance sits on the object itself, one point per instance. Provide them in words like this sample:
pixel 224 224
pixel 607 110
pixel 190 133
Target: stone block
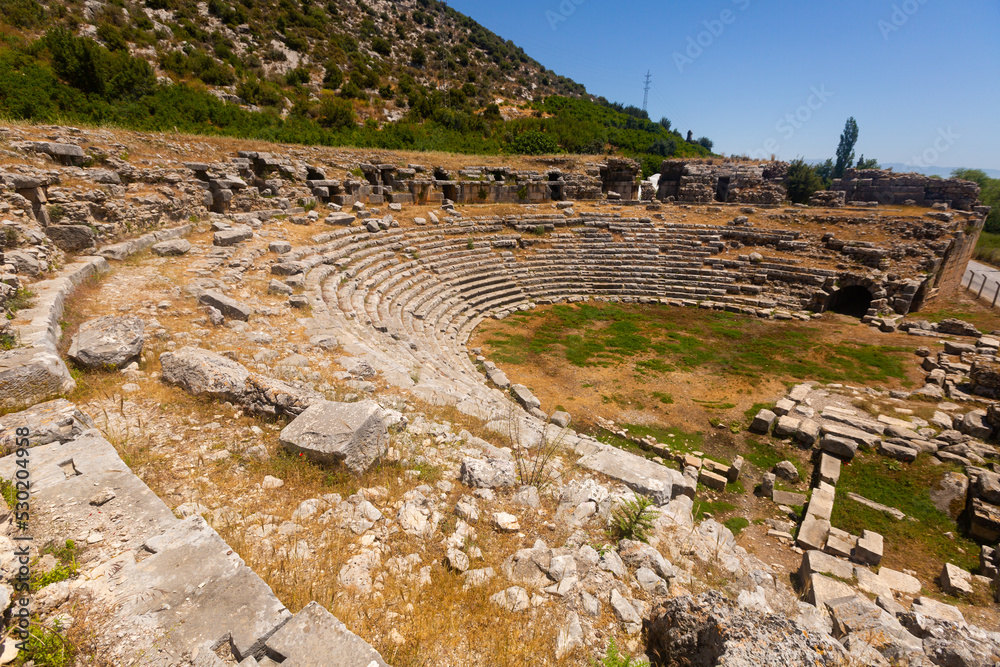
pixel 955 581
pixel 316 638
pixel 813 533
pixel 820 589
pixel 712 480
pixel 900 582
pixel 351 434
pixel 788 498
pixel 816 561
pixel 841 447
pixel 829 469
pixel 229 307
pixel 108 342
pixel 808 432
pixel 232 236
pixel 763 422
pixel 869 548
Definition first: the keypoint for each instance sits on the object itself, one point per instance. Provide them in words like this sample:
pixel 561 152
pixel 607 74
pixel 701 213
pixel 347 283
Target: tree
pixel 867 164
pixel 665 123
pixel 845 151
pixel 335 113
pixel 801 181
pixel 706 143
pixel 825 172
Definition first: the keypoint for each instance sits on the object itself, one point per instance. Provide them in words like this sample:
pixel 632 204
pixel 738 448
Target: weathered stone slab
pixel 52 421
pixel 842 447
pixel 488 473
pixel 316 638
pixel 232 236
pixel 808 432
pixel 897 451
pixel 788 498
pixel 108 342
pixel 812 533
pixel 955 581
pixel 829 469
pixel 869 548
pixel 639 474
pixel 817 561
pixel 525 397
pixel 899 582
pixel 172 248
pixel 885 509
pixel 71 238
pixel 204 372
pixel 712 480
pixel 351 434
pixel 863 439
pixel 821 504
pixel 229 307
pixel 821 589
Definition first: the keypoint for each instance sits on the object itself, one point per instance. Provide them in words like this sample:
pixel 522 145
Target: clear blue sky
pixel 922 77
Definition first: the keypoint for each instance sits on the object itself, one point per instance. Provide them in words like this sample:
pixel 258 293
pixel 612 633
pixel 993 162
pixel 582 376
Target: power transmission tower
pixel 645 92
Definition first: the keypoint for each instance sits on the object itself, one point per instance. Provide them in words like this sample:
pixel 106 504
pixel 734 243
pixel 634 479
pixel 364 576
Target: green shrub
pixel 56 212
pixel 21 13
pixel 48 647
pixel 614 658
pixel 633 519
pixel 533 143
pixel 335 113
pixel 801 181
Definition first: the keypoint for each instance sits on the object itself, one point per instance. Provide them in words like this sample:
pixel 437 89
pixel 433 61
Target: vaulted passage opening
pixel 854 301
pixel 722 189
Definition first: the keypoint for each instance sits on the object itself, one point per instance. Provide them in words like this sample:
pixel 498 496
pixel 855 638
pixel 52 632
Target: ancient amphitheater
pixel 268 441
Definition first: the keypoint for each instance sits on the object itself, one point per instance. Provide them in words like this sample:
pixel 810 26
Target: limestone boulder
pixel 351 434
pixel 488 473
pixel 228 306
pixel 203 372
pixel 172 248
pixel 108 342
pixel 711 629
pixel 71 238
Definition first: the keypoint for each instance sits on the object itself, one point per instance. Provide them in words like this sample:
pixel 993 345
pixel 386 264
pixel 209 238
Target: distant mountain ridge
pixel 903 168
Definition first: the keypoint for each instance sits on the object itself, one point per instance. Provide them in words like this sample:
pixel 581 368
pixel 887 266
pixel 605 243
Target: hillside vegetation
pixel 411 74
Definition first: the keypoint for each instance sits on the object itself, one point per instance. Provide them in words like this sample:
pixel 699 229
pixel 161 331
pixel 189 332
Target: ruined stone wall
pixel 701 181
pixel 890 188
pixel 949 276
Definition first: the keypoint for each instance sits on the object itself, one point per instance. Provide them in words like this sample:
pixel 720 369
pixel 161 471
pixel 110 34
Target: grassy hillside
pixel 407 74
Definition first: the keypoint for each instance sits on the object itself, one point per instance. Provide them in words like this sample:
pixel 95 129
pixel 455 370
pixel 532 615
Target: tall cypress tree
pixel 845 151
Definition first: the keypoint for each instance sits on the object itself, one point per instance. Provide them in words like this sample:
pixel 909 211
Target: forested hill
pixel 404 74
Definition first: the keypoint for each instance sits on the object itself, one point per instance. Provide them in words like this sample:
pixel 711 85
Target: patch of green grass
pixel 920 543
pixel 47 646
pixel 662 397
pixel 736 524
pixel 22 299
pixel 9 492
pixel 659 341
pixel 675 438
pixel 715 508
